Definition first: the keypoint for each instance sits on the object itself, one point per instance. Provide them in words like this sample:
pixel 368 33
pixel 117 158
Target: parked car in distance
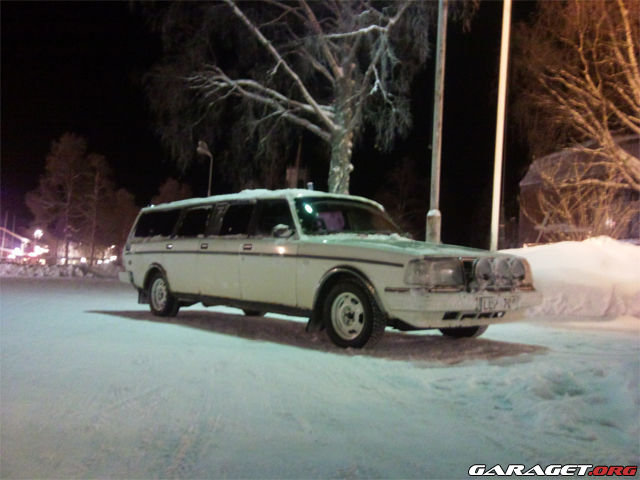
pixel 337 259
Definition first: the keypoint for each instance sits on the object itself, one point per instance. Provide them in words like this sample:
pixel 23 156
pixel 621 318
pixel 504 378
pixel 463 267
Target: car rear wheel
pixel 161 300
pixel 352 316
pixel 464 332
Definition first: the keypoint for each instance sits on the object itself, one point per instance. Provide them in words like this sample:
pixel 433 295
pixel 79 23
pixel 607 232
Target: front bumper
pixel 421 308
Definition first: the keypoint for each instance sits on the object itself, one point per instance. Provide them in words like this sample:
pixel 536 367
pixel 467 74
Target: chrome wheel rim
pixel 347 316
pixel 159 294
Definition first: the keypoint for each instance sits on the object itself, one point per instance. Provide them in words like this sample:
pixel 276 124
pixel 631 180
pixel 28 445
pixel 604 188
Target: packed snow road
pixel 93 386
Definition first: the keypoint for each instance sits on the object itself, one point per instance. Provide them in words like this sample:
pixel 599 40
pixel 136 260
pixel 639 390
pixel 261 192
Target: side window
pixel 194 222
pixel 160 223
pixel 215 222
pixel 270 214
pixel 236 219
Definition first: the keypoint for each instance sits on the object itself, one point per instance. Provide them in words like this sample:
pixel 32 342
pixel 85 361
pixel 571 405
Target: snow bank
pixel 97 271
pixel 599 277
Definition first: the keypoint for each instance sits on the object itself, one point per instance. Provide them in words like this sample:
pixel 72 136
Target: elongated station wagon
pixel 337 259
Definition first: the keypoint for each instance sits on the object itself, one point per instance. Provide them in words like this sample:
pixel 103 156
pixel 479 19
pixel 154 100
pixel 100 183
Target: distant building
pixel 535 227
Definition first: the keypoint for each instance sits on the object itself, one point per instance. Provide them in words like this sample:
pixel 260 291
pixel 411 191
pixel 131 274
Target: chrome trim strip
pixel 317 257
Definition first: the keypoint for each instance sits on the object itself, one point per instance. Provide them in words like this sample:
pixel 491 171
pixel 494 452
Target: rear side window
pixel 236 219
pixel 194 222
pixel 159 223
pixel 272 213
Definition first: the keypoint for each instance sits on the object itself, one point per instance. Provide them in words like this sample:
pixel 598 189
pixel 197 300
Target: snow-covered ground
pixel 91 385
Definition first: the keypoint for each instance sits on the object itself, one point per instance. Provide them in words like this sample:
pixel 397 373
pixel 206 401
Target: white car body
pixel 293 274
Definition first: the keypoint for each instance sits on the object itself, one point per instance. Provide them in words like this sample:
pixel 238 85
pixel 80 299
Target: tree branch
pixel 326 51
pixel 374 61
pixel 261 94
pixel 281 61
pixel 210 84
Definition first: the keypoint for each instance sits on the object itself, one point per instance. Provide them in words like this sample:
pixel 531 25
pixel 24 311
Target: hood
pixel 396 244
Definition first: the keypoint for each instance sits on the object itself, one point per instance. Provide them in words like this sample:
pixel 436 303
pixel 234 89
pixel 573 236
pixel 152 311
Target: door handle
pixel 247 246
pixel 169 246
pixel 204 246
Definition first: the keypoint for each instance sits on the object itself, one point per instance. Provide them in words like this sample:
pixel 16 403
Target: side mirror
pixel 282 231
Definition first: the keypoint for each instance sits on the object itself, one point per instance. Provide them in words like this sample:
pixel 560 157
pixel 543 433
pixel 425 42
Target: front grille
pixel 467 268
pixel 471 315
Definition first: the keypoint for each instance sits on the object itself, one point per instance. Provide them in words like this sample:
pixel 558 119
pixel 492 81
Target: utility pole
pixel 434 217
pixel 203 149
pixel 502 94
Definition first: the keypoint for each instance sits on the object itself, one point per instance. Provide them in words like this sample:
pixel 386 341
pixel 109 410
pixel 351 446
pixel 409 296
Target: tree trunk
pixel 66 249
pixel 340 166
pixel 55 255
pixel 94 216
pixel 67 220
pixel 93 240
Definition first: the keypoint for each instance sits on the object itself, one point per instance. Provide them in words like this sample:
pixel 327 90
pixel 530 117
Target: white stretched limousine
pixel 338 259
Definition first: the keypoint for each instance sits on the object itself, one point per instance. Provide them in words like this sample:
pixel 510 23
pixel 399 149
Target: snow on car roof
pixel 258 194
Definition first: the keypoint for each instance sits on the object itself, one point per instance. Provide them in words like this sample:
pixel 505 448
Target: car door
pixel 151 242
pixel 268 264
pixel 183 250
pixel 218 266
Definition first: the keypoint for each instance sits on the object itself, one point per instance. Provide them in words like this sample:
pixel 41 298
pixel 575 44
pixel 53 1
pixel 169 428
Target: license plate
pixel 497 304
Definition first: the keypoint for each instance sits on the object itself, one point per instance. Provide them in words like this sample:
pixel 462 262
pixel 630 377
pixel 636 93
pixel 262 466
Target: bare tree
pixel 324 67
pixel 170 191
pixel 568 205
pixel 75 199
pixel 578 71
pixel 56 203
pixel 98 197
pixel 403 197
pixel 117 219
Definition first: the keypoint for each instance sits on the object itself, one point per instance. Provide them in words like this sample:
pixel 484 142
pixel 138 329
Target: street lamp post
pixel 434 217
pixel 502 94
pixel 203 149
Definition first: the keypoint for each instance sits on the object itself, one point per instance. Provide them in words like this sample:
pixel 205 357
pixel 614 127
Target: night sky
pixel 77 67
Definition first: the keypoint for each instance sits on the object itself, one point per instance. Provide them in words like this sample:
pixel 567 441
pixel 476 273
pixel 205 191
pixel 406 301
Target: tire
pixel 161 300
pixel 253 313
pixel 464 332
pixel 352 316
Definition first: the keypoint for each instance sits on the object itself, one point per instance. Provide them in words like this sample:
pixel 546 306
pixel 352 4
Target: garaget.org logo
pixel 555 470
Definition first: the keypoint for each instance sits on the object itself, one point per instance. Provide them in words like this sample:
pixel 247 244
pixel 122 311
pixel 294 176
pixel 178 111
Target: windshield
pixel 322 216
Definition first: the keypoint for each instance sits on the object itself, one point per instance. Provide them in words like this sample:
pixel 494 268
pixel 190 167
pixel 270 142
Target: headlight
pixel 435 273
pixel 521 271
pixel 518 270
pixel 503 273
pixel 484 272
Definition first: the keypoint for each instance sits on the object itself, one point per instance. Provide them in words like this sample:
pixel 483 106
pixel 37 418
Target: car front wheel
pixel 352 316
pixel 463 332
pixel 161 300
